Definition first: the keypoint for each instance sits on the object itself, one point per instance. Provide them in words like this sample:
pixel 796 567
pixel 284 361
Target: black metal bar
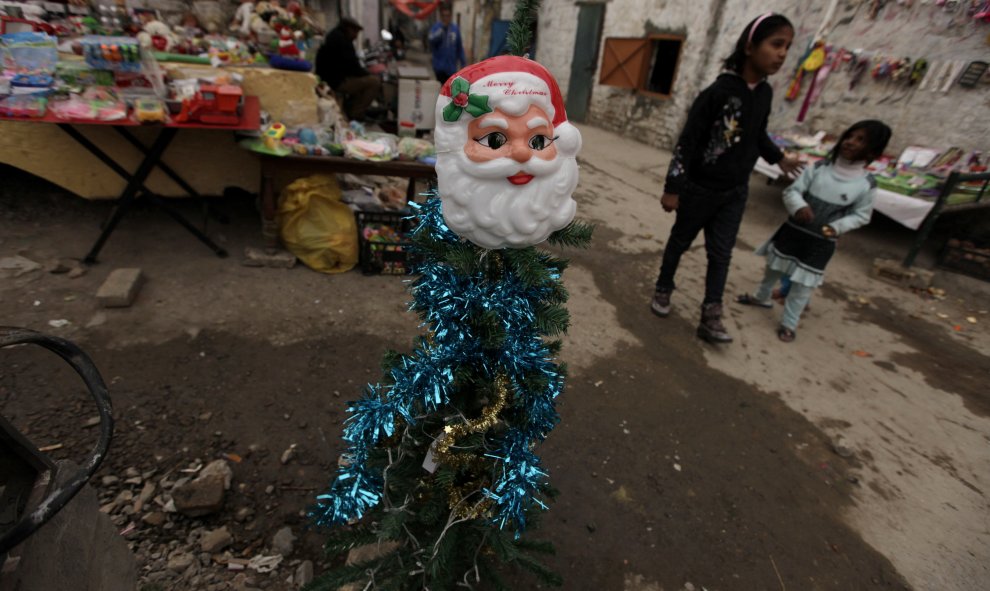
pixel 940 207
pixel 135 186
pixel 61 495
pixel 164 167
pixel 411 190
pixel 220 252
pixel 135 183
pixel 929 221
pixel 94 150
pixel 170 172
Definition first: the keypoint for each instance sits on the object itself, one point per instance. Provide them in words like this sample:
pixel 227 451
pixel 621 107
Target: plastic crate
pixel 382 241
pixel 967 258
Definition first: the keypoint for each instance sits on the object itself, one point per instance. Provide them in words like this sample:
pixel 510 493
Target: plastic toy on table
pixel 112 53
pixel 150 110
pixel 29 59
pixel 212 104
pixel 24 105
pixel 32 82
pixel 96 103
pixel 270 141
pixel 273 136
pixel 308 142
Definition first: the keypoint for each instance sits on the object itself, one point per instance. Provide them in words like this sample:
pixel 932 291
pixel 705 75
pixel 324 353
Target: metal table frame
pixel 152 158
pixel 941 206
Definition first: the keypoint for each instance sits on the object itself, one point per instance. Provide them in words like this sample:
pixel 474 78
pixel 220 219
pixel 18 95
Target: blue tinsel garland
pixel 422 382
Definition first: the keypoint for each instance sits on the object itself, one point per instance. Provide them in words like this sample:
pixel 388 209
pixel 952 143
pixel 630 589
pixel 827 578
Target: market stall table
pixel 307 165
pixel 249 121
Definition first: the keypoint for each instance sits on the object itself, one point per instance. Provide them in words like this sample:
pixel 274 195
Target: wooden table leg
pixel 269 226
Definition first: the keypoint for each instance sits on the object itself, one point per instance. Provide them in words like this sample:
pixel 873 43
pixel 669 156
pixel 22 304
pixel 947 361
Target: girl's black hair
pixel 767 27
pixel 877 136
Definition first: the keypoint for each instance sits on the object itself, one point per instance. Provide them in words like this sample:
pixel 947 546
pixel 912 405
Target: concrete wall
pixel 711 28
pixel 469 15
pixel 556 30
pixel 923 30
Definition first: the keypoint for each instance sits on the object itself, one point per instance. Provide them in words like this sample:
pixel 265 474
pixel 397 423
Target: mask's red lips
pixel 520 178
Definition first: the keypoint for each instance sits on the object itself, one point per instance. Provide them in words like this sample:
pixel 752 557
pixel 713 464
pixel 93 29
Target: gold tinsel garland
pixel 467 461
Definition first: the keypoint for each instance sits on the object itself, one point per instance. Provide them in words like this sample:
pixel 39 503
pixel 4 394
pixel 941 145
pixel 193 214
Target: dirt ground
pixel 680 465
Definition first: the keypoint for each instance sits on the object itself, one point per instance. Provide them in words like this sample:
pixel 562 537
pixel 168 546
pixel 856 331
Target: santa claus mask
pixel 505 154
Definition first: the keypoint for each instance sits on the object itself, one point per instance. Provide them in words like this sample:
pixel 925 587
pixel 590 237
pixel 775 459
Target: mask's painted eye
pixel 493 140
pixel 540 142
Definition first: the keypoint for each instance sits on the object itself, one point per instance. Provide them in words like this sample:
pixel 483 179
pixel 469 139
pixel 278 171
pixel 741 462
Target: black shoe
pixel 711 328
pixel 661 303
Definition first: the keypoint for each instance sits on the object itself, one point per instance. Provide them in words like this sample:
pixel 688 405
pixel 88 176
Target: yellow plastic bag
pixel 316 227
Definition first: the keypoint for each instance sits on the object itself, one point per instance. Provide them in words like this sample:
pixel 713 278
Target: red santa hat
pixel 509 83
pixel 507 76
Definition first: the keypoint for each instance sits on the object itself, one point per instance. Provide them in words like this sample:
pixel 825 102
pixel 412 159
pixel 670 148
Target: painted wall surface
pixel 711 27
pixel 368 13
pixel 922 30
pixel 652 120
pixel 467 15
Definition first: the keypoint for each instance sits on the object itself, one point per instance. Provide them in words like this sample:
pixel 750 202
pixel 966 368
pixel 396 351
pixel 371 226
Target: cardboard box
pixel 417 103
pixel 414 72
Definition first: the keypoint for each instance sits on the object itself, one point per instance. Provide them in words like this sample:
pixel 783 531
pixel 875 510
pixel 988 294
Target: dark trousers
pixel 719 214
pixel 359 92
pixel 443 76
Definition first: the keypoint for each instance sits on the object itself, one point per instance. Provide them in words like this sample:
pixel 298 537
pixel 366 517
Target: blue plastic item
pixel 28 53
pixel 121 54
pixel 285 63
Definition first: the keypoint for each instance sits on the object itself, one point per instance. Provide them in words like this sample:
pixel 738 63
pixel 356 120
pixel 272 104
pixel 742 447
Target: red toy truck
pixel 216 105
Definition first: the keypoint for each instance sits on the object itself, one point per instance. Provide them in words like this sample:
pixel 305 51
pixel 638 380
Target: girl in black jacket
pixel 708 178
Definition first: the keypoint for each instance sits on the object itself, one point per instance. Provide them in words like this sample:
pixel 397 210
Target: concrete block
pixel 892 272
pixel 268 257
pixel 120 288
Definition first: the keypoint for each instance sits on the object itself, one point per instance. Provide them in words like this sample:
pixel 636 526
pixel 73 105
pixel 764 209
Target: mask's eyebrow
pixel 537 122
pixel 494 122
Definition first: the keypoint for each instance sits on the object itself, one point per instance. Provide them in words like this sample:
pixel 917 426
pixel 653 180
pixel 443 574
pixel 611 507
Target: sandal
pixel 748 300
pixel 786 335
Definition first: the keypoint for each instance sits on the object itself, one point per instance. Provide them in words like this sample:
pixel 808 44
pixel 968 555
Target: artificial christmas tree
pixel 440 467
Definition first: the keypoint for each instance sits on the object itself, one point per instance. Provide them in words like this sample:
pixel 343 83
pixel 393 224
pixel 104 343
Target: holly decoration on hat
pixel 462 100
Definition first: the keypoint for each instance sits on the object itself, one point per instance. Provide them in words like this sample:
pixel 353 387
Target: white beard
pixel 481 205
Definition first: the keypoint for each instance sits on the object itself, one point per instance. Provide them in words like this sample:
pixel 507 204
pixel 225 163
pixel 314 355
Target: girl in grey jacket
pixel 831 198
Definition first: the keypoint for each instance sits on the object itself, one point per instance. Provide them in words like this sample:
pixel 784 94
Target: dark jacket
pixel 725 133
pixel 337 59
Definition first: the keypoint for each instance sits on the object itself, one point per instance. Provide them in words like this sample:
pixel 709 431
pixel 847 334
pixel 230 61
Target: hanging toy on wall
pixel 883 67
pixel 918 71
pixel 982 13
pixel 875 7
pixel 857 69
pixel 973 73
pixel 900 69
pixel 814 60
pixel 818 81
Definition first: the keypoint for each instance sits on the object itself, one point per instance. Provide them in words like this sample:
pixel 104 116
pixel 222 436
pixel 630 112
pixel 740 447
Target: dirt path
pixel 676 462
pixel 913 408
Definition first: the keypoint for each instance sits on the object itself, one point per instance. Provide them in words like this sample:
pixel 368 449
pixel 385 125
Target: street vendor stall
pixel 110 105
pixel 209 165
pixel 170 45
